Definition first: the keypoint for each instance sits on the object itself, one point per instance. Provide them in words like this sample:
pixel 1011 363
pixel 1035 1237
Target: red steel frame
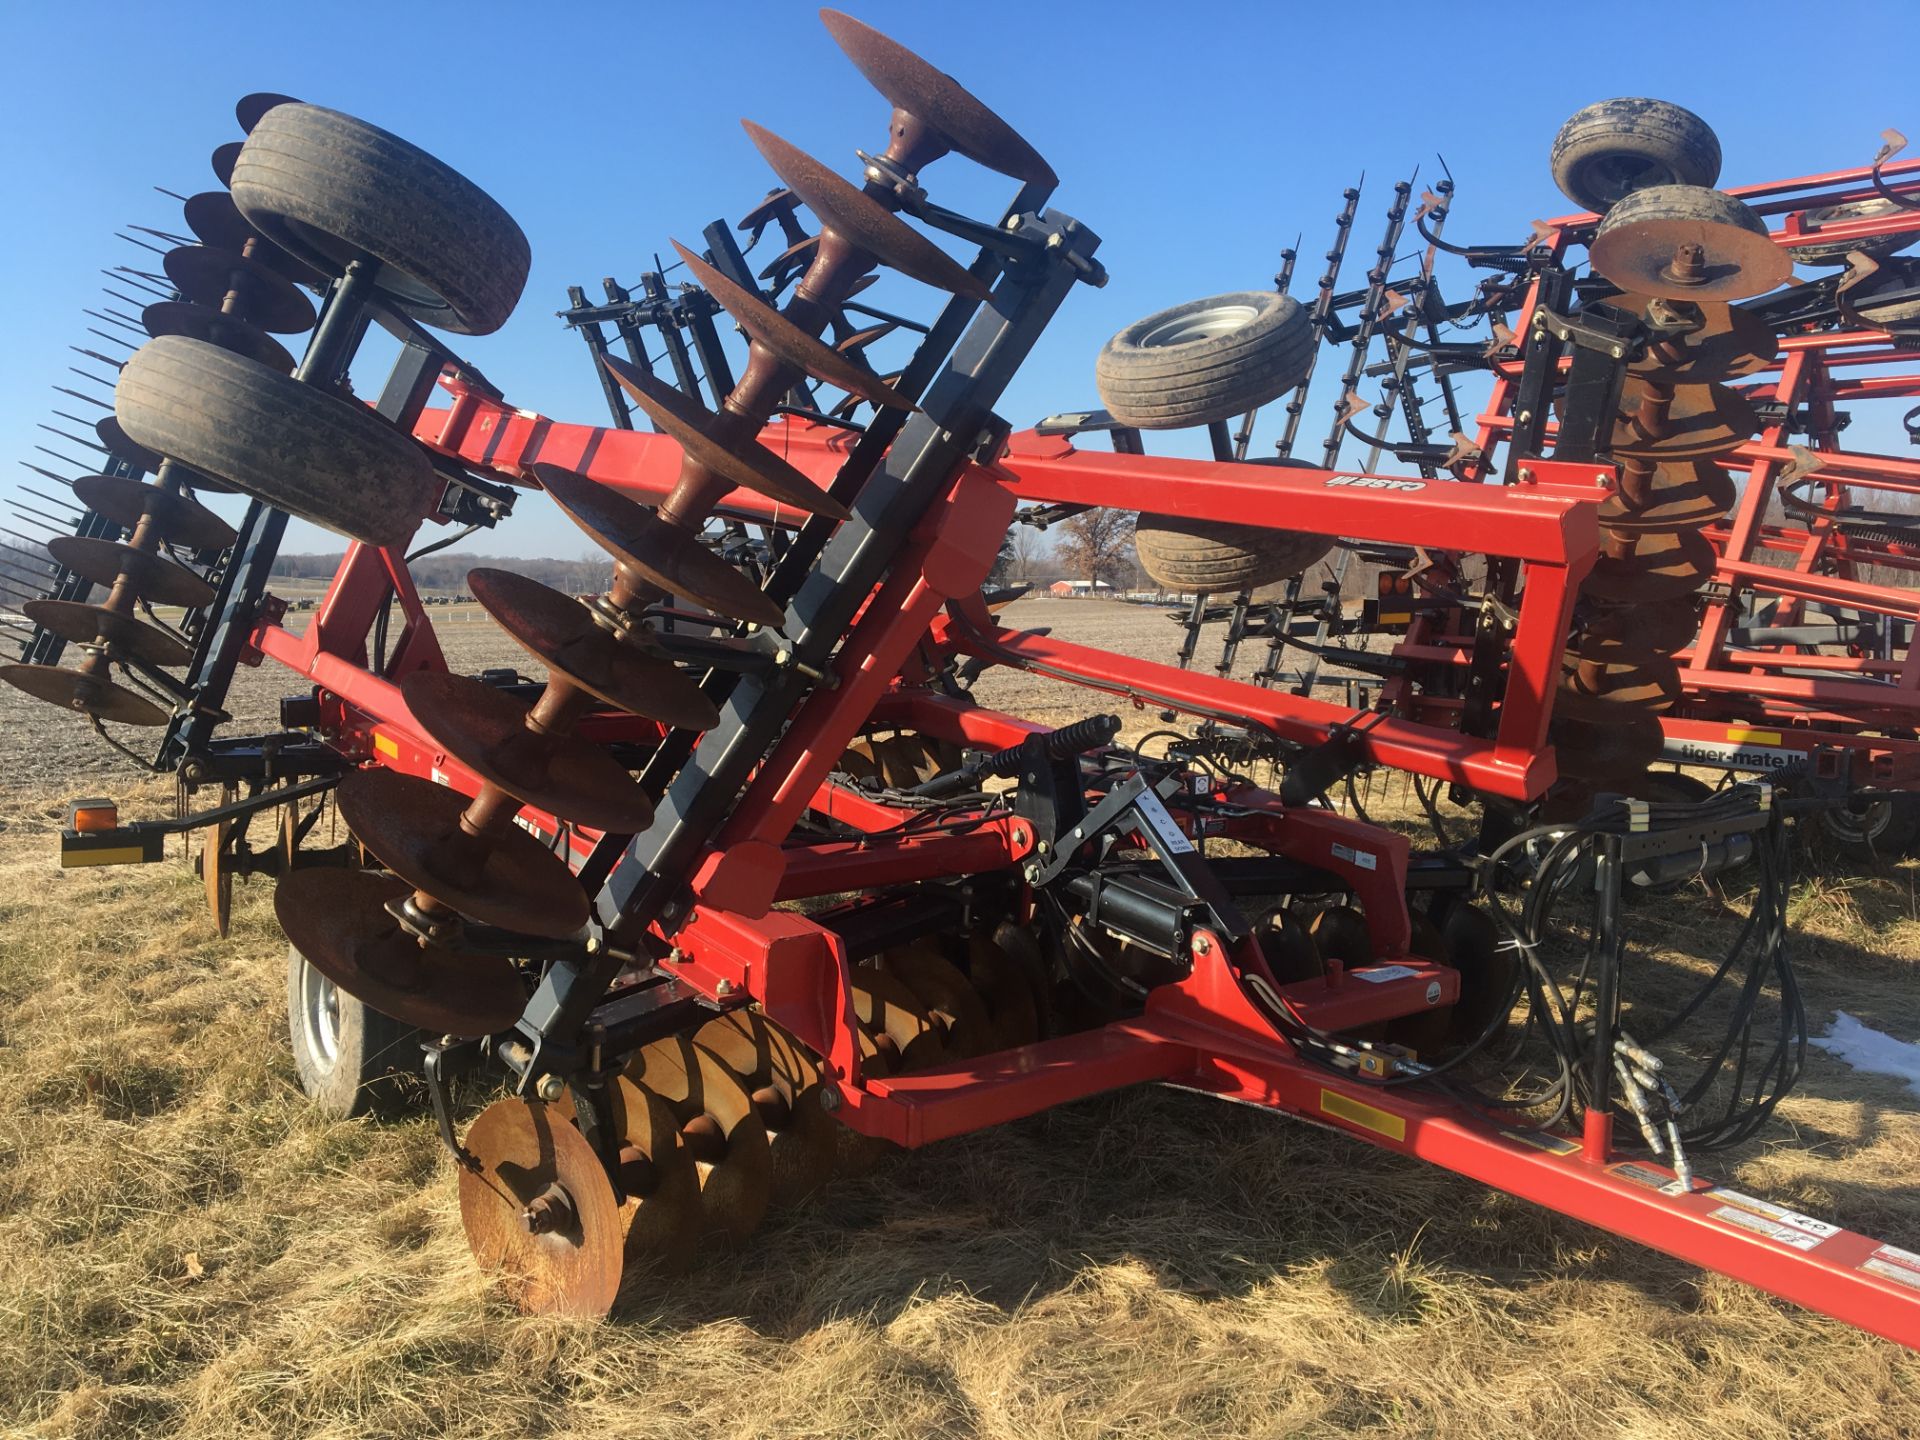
pixel 1201 1033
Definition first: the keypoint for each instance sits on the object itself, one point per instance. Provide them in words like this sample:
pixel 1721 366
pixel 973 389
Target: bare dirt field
pixel 187 1249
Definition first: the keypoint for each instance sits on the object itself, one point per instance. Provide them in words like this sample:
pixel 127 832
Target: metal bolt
pixel 1019 836
pixel 1202 945
pixel 1524 416
pixel 550 1087
pixel 676 955
pixel 1033 874
pixel 723 989
pixel 829 1098
pixel 594 945
pixel 1042 848
pixel 1013 222
pixel 1054 242
pixel 1526 476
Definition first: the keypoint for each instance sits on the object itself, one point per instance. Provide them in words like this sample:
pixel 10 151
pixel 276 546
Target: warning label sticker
pixel 1892 1263
pixel 1168 833
pixel 1363 859
pixel 1380 974
pixel 1542 1140
pixel 1637 1174
pixel 1760 1225
pixel 1779 1214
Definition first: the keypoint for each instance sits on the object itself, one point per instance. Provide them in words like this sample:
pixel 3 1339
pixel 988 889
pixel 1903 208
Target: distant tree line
pixel 589 575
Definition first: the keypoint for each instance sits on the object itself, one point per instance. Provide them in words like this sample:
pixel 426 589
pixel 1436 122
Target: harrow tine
pixel 66 390
pixel 96 355
pixel 52 500
pixel 141 243
pixel 112 339
pixel 111 319
pixel 56 430
pixel 165 235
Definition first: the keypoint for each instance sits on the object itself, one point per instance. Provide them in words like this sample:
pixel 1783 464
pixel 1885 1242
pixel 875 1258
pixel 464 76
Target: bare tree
pixel 1027 548
pixel 1096 545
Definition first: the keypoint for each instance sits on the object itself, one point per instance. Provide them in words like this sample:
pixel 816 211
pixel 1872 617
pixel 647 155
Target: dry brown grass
pixel 186 1249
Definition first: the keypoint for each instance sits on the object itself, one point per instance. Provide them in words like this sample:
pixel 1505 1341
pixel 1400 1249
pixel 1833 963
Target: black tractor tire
pixel 350 1058
pixel 329 189
pixel 294 445
pixel 1879 832
pixel 1214 555
pixel 1206 360
pixel 1615 147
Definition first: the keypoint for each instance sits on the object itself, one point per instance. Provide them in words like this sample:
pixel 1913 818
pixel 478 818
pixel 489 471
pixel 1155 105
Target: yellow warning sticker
pixel 1367 1117
pixel 387 747
pixel 130 855
pixel 1741 735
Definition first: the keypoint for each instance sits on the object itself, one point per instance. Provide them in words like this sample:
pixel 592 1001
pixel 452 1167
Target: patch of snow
pixel 1865 1048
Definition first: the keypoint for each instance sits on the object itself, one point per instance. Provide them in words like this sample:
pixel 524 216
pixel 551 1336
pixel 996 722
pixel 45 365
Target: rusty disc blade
pixel 796 256
pixel 937 100
pixel 229 332
pixel 715 442
pixel 783 1083
pixel 1639 246
pixel 215 220
pixel 862 221
pixel 107 427
pixel 955 1007
pixel 205 274
pixel 788 340
pixel 216 873
pixel 251 107
pixel 662 554
pixel 1661 567
pixel 775 204
pixel 719 1124
pixel 179 520
pixel 897 1022
pixel 1609 750
pixel 509 879
pixel 1603 681
pixel 861 339
pixel 71 690
pixel 658 1177
pixel 225 157
pixel 562 634
pixel 533 1162
pixel 1729 344
pixel 563 775
pixel 338 920
pixel 153 577
pixel 1682 495
pixel 1663 627
pixel 133 639
pixel 1340 933
pixel 1702 420
pixel 1289 950
pixel 1004 970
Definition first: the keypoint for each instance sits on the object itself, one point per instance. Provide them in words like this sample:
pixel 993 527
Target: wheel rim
pixel 1614 177
pixel 1862 828
pixel 1203 325
pixel 320 1015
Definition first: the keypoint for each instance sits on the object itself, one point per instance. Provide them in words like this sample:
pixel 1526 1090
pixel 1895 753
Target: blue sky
pixel 1198 140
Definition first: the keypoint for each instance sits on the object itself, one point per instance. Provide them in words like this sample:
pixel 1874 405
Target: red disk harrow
pixel 750 882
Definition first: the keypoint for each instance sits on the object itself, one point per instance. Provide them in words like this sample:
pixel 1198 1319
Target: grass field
pixel 187 1249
